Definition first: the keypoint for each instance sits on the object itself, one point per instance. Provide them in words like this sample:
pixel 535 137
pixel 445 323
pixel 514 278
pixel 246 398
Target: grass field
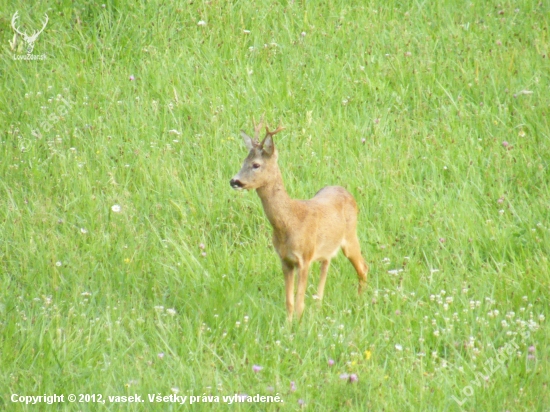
pixel 129 266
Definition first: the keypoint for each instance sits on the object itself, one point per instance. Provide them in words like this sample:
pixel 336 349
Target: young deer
pixel 304 231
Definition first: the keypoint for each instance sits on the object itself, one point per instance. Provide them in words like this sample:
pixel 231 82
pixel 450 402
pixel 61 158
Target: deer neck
pixel 276 202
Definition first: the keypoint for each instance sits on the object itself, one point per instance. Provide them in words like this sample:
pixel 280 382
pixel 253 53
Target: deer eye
pixel 255 165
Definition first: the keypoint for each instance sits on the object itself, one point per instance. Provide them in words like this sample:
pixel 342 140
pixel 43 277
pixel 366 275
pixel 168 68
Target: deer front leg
pixel 288 270
pixel 302 285
pixel 322 279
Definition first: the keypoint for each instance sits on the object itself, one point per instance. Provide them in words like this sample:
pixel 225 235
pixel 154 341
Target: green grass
pixel 406 104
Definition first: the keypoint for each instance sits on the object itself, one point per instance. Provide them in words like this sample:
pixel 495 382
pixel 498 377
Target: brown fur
pixel 304 231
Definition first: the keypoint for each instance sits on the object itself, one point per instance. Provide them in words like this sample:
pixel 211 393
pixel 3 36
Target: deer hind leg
pixel 322 279
pixel 288 270
pixel 303 270
pixel 352 250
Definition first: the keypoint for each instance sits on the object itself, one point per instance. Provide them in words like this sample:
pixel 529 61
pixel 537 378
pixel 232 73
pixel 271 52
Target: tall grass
pixel 433 114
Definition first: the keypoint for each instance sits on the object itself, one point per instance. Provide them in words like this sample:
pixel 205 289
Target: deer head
pixel 260 166
pixel 28 39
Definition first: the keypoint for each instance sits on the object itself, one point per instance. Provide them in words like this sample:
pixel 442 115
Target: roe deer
pixel 304 231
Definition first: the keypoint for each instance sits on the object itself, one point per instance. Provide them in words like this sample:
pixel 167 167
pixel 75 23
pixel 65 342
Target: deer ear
pixel 249 143
pixel 267 145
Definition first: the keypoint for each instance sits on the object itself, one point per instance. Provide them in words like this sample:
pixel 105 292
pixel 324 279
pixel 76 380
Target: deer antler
pixel 257 129
pixel 35 34
pixel 271 133
pixel 13 20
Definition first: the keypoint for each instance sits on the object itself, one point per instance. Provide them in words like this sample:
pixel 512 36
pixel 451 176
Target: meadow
pixel 128 265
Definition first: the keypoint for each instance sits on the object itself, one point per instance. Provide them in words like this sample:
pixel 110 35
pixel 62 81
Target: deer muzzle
pixel 236 184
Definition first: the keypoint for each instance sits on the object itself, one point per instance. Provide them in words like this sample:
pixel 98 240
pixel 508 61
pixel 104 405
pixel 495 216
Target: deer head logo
pixel 29 40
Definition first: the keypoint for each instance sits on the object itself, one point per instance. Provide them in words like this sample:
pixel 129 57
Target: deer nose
pixel 235 183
